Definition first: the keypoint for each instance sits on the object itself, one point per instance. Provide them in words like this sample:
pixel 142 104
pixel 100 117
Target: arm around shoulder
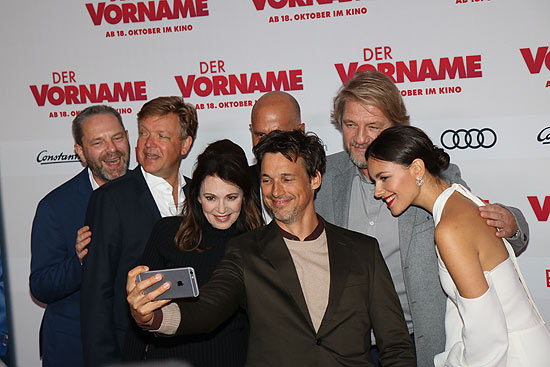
pixel 518 239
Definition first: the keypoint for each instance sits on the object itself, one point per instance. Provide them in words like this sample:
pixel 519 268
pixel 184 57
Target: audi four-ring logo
pixel 472 138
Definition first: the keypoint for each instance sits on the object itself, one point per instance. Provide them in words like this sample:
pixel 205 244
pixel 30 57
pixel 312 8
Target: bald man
pixel 273 111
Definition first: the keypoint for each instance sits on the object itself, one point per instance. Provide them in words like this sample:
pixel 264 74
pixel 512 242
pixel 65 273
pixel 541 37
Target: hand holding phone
pixel 183 283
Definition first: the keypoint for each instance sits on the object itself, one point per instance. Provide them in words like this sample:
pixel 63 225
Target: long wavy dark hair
pixel 227 161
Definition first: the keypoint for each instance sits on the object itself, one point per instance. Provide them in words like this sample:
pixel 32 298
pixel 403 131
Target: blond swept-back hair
pixel 372 88
pixel 161 106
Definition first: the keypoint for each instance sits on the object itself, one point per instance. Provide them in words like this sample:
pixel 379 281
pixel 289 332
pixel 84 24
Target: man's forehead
pixel 277 164
pixel 355 110
pixel 101 123
pixel 268 127
pixel 167 120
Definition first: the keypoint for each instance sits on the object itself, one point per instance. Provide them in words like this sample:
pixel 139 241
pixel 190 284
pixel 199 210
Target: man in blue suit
pixel 101 142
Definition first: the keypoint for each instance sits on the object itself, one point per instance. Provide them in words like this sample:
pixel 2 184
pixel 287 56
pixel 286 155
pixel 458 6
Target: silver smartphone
pixel 183 283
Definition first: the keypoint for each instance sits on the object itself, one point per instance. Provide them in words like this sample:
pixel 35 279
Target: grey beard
pixel 361 164
pixel 98 170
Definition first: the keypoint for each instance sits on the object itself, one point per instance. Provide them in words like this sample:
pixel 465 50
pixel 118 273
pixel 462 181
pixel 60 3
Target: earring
pixel 419 181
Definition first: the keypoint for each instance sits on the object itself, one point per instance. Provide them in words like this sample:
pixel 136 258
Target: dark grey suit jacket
pixel 258 273
pixel 418 258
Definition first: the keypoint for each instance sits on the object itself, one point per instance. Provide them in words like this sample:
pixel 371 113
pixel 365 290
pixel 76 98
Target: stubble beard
pixel 286 216
pixel 102 172
pixel 360 163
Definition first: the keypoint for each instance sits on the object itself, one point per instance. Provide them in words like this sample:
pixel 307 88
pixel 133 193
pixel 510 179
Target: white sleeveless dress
pixel 502 327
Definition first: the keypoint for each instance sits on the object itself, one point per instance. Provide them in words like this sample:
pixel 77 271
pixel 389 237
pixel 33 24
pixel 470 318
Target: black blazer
pixel 121 215
pixel 258 273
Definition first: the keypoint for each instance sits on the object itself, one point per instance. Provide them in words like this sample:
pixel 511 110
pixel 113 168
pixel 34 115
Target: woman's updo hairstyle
pixel 403 144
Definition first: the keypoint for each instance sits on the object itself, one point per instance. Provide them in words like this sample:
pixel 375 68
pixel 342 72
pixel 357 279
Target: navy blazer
pixel 121 215
pixel 55 269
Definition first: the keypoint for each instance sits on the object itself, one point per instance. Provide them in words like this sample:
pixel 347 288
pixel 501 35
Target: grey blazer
pixel 418 258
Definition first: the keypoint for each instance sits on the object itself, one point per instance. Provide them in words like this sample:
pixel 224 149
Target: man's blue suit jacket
pixel 56 272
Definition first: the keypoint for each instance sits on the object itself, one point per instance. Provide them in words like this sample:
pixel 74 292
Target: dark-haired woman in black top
pixel 220 204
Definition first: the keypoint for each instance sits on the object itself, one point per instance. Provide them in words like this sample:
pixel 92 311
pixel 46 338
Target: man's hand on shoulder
pixel 500 218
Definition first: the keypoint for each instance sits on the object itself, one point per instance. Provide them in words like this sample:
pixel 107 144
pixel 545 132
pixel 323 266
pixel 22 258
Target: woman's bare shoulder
pixel 462 230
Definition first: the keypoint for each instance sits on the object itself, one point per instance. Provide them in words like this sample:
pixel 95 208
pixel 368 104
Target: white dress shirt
pixel 162 193
pixel 93 182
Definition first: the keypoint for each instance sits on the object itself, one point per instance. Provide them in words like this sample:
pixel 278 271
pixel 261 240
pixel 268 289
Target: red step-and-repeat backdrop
pixel 475 75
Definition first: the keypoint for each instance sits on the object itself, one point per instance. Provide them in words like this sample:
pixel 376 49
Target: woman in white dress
pixel 491 319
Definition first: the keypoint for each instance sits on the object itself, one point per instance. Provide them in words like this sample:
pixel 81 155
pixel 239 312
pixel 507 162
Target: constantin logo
pixel 544 136
pixel 472 138
pixel 44 157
